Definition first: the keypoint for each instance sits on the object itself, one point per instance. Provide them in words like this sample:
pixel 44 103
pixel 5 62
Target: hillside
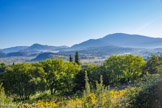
pixel 118 43
pixel 122 40
pixel 43 56
pixel 33 48
pixel 100 51
pixel 13 49
pixel 43 48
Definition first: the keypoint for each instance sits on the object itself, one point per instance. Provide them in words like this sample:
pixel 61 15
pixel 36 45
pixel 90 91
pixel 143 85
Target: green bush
pixel 6 102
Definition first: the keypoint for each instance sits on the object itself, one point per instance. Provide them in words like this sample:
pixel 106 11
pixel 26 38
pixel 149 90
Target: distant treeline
pixel 58 76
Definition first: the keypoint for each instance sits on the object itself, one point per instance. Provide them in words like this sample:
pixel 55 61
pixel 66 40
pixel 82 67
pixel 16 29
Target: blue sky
pixel 67 22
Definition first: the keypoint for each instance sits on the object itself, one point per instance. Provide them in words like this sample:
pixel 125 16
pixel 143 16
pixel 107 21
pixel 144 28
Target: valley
pixel 91 51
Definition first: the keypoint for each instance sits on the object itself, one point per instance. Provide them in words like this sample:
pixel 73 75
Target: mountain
pixel 90 43
pixel 43 56
pixel 137 41
pixel 101 51
pixel 33 48
pixel 17 54
pixel 2 54
pixel 118 43
pixel 107 50
pixel 13 49
pixel 122 40
pixel 42 48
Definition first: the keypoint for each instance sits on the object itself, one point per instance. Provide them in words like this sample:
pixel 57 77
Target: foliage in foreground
pixel 61 77
pixel 6 102
pixel 143 96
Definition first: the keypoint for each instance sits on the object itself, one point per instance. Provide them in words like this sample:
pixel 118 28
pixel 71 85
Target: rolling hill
pixel 44 56
pixel 13 49
pixel 33 48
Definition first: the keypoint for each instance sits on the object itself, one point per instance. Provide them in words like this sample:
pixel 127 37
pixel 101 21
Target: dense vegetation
pixel 57 77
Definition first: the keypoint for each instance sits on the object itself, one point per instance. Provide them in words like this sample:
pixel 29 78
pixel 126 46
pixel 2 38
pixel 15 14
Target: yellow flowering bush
pixel 91 101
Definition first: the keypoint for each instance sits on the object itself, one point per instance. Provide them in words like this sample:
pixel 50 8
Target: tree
pixel 55 72
pixel 124 68
pixel 17 80
pixel 2 67
pixel 60 75
pixel 70 58
pixel 93 72
pixel 154 64
pixel 77 58
pixel 24 79
pixel 72 69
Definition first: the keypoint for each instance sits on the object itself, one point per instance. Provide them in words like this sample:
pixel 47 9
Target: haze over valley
pixel 91 51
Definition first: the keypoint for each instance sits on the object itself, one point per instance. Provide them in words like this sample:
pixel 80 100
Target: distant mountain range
pixel 33 48
pixel 116 39
pixel 118 43
pixel 13 49
pixel 122 40
pixel 43 48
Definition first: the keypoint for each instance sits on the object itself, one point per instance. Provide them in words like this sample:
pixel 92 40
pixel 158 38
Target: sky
pixel 68 22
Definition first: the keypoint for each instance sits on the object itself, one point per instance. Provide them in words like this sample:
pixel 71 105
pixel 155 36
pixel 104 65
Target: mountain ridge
pixel 124 40
pixel 115 39
pixel 33 48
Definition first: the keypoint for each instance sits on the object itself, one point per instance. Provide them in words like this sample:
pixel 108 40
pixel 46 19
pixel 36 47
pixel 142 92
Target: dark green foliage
pixel 77 60
pixel 93 73
pixel 59 76
pixel 154 64
pixel 115 70
pixel 148 97
pixel 23 79
pixel 2 67
pixel 79 80
pixel 70 58
pixel 26 79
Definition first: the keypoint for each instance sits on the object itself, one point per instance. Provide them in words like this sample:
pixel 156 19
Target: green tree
pixel 24 79
pixel 60 75
pixel 2 67
pixel 70 58
pixel 55 72
pixel 154 64
pixel 94 72
pixel 77 58
pixel 16 80
pixel 124 68
pixel 70 73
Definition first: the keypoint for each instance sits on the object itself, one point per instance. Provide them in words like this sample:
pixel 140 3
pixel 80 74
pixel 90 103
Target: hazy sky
pixel 67 22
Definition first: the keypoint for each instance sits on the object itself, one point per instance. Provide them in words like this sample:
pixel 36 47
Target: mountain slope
pixel 122 40
pixel 127 40
pixel 102 50
pixel 2 54
pixel 90 43
pixel 42 48
pixel 17 54
pixel 43 56
pixel 13 49
pixel 33 48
